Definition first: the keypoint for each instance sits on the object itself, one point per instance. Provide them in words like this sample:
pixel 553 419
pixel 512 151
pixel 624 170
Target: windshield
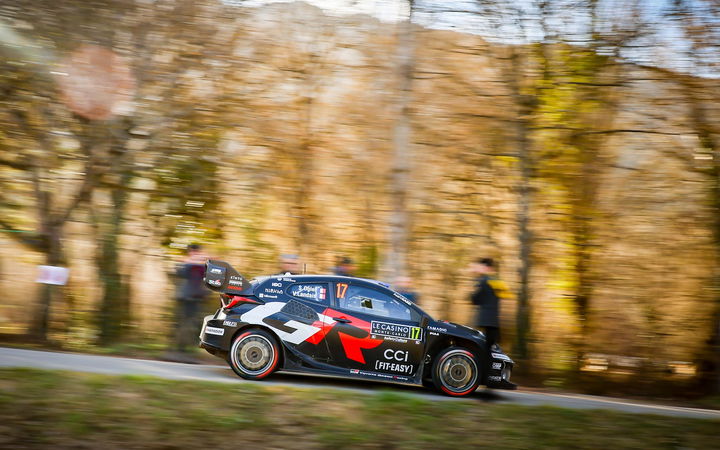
pixel 411 304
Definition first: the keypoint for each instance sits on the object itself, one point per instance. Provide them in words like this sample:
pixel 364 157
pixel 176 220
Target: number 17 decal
pixel 340 290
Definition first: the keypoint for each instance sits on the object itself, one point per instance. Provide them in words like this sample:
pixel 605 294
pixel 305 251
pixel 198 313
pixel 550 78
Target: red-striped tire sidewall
pixel 276 355
pixel 472 387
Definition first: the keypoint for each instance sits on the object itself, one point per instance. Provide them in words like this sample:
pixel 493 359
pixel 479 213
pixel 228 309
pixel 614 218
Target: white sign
pixel 53 275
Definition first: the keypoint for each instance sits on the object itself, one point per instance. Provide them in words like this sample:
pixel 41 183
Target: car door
pixel 374 332
pixel 315 296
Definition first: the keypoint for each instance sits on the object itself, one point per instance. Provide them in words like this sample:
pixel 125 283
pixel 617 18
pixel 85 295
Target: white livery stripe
pixel 258 313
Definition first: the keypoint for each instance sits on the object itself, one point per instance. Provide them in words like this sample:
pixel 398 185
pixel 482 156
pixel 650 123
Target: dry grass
pixel 39 409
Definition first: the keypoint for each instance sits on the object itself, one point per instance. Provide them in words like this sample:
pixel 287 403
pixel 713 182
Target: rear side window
pixel 316 292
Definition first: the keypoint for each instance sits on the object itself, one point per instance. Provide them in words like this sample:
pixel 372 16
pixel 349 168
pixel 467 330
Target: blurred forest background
pixel 577 142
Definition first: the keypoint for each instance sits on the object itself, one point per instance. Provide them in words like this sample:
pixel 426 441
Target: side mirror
pixel 424 321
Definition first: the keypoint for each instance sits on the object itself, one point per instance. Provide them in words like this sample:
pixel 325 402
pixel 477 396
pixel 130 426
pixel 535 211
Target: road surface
pixel 12 357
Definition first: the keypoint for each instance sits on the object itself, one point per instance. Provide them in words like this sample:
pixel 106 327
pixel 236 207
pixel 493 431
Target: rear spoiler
pixel 222 277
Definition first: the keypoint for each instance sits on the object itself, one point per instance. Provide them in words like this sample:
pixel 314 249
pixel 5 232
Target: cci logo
pixel 397 355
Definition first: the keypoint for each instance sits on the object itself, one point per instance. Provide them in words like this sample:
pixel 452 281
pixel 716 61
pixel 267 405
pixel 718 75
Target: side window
pixel 370 301
pixel 316 292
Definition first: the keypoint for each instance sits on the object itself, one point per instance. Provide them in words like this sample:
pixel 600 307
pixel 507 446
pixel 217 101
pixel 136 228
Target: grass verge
pixel 39 409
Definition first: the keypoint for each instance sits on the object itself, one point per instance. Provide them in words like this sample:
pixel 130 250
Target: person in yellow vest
pixel 487 294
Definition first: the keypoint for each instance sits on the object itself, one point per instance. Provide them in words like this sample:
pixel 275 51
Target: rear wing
pixel 222 277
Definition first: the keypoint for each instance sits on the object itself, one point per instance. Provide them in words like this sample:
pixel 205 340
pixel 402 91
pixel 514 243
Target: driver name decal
pixel 396 330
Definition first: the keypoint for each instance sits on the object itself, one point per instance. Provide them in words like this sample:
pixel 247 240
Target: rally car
pixel 343 326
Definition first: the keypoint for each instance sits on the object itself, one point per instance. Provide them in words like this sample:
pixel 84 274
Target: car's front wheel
pixel 456 371
pixel 254 354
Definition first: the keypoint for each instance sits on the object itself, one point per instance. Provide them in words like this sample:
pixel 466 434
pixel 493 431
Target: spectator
pixel 345 267
pixel 289 265
pixel 191 295
pixel 404 286
pixel 488 292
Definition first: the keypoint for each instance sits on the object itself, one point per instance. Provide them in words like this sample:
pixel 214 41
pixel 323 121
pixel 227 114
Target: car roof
pixel 325 277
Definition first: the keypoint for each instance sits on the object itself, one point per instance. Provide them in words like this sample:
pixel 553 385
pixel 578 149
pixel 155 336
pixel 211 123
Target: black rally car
pixel 342 326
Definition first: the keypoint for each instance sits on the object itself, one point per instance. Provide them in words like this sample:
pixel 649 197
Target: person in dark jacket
pixel 191 295
pixel 487 294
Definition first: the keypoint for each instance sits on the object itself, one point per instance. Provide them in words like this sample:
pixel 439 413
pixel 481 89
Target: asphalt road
pixel 12 357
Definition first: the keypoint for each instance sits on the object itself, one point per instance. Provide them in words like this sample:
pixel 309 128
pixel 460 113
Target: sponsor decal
pixel 438 329
pixel 494 378
pixel 401 298
pixel 354 371
pixel 235 277
pixel 235 283
pixel 385 366
pixel 216 270
pixel 396 330
pixel 229 323
pixel 287 279
pixel 497 366
pixel 215 331
pixel 375 374
pixel 277 285
pixel 261 295
pixel 432 333
pixel 268 296
pixel 397 355
pixel 383 375
pixel 273 291
pixel 235 288
pixel 500 356
pixel 394 357
pixel 214 282
pixel 390 338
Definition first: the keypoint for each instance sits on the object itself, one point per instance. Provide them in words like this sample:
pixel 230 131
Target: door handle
pixel 342 319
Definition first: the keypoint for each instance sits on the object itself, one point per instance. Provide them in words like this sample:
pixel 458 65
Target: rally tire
pixel 254 354
pixel 456 371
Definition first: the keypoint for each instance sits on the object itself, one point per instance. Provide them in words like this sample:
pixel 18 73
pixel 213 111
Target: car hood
pixel 455 329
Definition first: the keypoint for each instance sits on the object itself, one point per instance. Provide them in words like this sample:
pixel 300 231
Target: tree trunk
pixel 525 109
pixel 115 306
pixel 525 240
pixel 48 293
pixel 709 357
pixel 396 259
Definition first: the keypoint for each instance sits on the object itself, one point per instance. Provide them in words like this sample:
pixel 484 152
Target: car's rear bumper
pixel 213 336
pixel 212 349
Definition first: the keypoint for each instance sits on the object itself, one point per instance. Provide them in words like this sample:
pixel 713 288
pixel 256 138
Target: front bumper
pixel 502 384
pixel 498 376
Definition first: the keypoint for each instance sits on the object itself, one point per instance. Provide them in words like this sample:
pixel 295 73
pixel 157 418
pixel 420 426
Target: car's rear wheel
pixel 254 354
pixel 456 371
